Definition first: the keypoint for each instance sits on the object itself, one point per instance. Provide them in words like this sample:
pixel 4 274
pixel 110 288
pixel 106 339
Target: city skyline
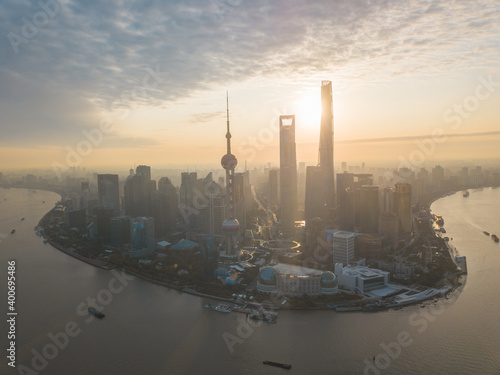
pixel 400 74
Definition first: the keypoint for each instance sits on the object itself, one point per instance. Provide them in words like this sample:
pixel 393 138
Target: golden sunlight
pixel 308 111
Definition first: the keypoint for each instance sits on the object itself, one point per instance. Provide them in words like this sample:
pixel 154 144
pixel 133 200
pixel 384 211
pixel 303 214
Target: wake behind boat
pixel 219 308
pixel 96 313
pixel 277 364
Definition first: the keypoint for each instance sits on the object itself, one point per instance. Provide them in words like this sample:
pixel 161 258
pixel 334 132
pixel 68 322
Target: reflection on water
pixel 150 329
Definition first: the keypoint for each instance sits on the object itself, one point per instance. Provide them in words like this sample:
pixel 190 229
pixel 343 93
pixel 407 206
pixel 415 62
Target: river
pixel 150 329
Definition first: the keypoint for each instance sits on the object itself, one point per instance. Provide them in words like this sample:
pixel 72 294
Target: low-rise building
pixel 360 279
pixel 296 281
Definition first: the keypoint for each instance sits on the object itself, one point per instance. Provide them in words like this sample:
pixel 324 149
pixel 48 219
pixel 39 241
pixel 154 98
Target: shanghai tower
pixel 326 148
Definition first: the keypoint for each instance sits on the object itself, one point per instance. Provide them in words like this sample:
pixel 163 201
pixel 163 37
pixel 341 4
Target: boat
pixel 487 233
pixel 439 220
pixel 45 240
pixel 96 313
pixel 494 237
pixel 13 231
pixel 443 230
pixel 277 364
pixel 219 308
pixel 22 219
pixel 466 194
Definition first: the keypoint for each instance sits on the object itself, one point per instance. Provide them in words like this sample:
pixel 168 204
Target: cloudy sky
pixel 144 82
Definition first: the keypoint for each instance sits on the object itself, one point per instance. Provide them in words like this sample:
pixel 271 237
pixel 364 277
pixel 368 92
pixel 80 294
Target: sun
pixel 308 111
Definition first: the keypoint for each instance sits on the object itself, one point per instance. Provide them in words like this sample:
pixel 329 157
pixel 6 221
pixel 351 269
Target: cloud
pixel 90 54
pixel 415 138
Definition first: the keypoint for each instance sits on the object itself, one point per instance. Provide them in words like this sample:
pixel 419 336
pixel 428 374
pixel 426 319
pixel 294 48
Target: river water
pixel 150 329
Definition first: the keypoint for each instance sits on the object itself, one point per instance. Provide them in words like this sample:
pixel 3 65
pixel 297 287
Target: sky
pixel 122 83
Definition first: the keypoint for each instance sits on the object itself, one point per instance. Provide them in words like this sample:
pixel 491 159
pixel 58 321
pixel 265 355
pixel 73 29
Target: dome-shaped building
pixel 329 284
pixel 267 279
pixel 230 225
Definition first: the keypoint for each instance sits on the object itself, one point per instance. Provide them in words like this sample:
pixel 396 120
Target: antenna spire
pixel 228 134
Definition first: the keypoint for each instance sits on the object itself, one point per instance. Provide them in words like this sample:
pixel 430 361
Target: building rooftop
pixel 363 272
pixel 289 269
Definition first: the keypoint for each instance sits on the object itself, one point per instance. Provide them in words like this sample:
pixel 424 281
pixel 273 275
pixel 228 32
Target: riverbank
pixel 312 303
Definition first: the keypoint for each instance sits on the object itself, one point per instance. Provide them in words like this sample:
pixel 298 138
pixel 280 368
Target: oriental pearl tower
pixel 228 248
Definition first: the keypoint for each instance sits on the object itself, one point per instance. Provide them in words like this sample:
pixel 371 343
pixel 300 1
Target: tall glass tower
pixel 326 148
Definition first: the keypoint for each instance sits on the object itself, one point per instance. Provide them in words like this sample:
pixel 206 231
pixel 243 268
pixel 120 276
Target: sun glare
pixel 308 111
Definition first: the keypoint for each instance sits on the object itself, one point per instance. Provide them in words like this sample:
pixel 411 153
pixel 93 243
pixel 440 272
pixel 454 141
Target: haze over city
pixel 400 72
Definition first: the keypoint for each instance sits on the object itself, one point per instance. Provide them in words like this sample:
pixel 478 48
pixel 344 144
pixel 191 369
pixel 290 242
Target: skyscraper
pixel 314 205
pixel 320 201
pixel 326 147
pixel 369 207
pixel 212 211
pixel 344 181
pixel 240 198
pixel 186 198
pixel 137 190
pixel 288 175
pixel 165 207
pixel 403 207
pixel 142 235
pixel 273 188
pixel 107 188
pixel 343 247
pixel 228 248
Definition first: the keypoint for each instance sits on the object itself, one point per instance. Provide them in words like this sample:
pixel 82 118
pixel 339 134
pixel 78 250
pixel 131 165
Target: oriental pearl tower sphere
pixel 228 248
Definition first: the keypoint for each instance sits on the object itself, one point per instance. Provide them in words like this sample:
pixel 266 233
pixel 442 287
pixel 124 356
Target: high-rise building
pixel 437 177
pixel 314 205
pixel 344 181
pixel 77 218
pixel 103 217
pixel 240 198
pixel 165 207
pixel 229 249
pixel 142 235
pixel 347 213
pixel 320 201
pixel 476 177
pixel 187 198
pixel 388 200
pixel 288 175
pixel 402 206
pixel 108 191
pixel 326 147
pixel 273 188
pixel 369 206
pixel 388 225
pixel 212 212
pixel 343 247
pixel 137 190
pixel 464 177
pixel 85 194
pixel 301 186
pixel 120 230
